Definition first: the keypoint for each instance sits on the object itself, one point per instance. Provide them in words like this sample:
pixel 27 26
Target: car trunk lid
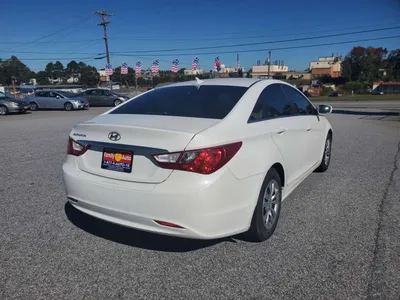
pixel 118 136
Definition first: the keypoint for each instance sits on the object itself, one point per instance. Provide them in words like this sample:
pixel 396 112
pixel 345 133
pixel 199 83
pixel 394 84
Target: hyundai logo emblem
pixel 114 136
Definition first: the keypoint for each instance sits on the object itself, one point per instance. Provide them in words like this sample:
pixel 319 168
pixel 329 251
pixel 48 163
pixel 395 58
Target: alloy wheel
pixel 270 204
pixel 327 153
pixel 3 110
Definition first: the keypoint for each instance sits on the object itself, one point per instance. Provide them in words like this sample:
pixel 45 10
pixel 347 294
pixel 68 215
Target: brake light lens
pixel 76 149
pixel 202 161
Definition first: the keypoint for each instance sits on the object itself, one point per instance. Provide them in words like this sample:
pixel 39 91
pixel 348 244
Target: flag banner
pixel 155 68
pixel 195 63
pixel 124 68
pixel 109 70
pixel 138 67
pixel 175 65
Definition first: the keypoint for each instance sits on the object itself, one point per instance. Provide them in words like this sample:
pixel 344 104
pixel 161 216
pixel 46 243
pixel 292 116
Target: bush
pixel 356 86
pixel 326 91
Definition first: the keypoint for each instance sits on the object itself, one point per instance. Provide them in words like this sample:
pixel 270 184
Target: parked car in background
pixel 335 94
pixel 201 159
pixel 9 105
pixel 56 100
pixel 103 97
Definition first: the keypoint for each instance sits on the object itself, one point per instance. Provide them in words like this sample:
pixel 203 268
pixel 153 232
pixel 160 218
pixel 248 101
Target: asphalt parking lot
pixel 338 236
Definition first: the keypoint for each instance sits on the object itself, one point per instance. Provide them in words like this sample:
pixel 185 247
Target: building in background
pixel 276 71
pixel 193 72
pixel 326 66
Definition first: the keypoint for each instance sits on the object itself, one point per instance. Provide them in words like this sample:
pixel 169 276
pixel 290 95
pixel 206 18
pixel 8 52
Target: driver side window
pixel 301 106
pixel 272 103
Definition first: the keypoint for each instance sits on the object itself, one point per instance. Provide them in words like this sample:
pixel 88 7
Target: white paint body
pixel 207 206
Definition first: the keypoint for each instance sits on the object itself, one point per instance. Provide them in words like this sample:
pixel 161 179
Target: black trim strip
pixel 138 150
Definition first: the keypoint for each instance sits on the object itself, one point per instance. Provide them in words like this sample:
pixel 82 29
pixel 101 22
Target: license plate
pixel 117 161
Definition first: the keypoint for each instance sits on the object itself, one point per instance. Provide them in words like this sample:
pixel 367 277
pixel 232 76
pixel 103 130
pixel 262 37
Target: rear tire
pixel 3 110
pixel 33 106
pixel 68 106
pixel 268 208
pixel 326 156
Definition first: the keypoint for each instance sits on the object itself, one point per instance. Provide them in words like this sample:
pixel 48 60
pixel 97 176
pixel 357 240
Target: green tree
pixel 13 67
pixel 89 76
pixel 393 65
pixel 363 63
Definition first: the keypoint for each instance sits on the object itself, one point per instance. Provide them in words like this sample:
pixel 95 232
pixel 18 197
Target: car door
pixel 37 97
pixel 56 101
pixel 275 109
pixel 310 125
pixel 45 100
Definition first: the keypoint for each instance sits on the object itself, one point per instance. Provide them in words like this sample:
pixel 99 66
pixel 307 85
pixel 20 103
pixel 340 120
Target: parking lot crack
pixel 377 246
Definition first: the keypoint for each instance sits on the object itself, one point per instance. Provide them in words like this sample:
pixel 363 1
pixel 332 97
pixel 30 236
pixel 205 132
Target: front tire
pixel 267 211
pixel 68 106
pixel 117 102
pixel 326 157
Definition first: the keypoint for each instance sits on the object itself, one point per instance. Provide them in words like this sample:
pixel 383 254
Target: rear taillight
pixel 203 161
pixel 76 149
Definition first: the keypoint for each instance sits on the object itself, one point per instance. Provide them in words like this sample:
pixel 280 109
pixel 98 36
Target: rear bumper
pixel 215 206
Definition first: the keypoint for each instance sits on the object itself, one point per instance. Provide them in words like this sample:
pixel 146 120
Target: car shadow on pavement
pixel 133 237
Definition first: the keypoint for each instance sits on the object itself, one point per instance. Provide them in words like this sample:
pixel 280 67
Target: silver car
pixel 11 105
pixel 56 100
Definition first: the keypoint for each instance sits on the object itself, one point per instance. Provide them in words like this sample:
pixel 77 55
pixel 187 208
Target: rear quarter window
pixel 209 101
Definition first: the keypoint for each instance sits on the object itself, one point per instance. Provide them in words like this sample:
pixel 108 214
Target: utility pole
pixel 103 15
pixel 269 62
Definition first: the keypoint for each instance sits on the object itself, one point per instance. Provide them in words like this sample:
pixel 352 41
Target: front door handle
pixel 308 128
pixel 280 131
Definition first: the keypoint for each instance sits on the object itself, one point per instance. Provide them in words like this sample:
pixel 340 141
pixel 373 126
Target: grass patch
pixel 357 98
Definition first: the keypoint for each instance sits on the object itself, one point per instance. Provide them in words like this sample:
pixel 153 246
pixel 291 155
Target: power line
pixel 224 52
pixel 242 38
pixel 53 33
pixel 53 42
pixel 262 43
pixel 267 49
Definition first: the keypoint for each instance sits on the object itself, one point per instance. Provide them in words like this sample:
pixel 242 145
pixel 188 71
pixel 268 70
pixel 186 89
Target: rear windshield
pixel 209 101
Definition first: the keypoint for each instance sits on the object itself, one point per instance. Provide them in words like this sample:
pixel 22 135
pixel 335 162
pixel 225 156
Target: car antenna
pixel 198 82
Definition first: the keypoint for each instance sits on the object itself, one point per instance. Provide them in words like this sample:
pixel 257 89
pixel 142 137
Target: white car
pixel 199 159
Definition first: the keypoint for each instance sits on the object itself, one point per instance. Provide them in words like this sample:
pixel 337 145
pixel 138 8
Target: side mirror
pixel 58 97
pixel 324 109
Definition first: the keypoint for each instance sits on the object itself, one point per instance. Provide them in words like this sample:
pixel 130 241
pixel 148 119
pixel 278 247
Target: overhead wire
pixel 263 43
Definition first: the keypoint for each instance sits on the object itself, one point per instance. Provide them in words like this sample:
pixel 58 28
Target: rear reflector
pixel 202 161
pixel 167 224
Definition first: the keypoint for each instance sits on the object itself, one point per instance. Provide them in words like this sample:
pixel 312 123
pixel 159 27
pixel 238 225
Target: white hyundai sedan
pixel 199 159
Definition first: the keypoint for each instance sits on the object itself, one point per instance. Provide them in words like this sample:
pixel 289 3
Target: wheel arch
pixel 281 172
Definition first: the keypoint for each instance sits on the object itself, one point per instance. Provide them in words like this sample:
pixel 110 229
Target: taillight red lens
pixel 203 161
pixel 76 149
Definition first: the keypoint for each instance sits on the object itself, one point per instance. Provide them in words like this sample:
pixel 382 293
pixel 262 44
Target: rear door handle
pixel 308 128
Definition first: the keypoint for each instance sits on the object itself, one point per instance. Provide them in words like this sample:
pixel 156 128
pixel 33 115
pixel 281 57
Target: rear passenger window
pixel 301 106
pixel 272 103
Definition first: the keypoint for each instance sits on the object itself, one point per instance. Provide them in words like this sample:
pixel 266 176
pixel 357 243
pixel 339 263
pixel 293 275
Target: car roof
pixel 240 82
pixel 243 82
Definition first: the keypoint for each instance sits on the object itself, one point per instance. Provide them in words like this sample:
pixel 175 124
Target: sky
pixel 41 31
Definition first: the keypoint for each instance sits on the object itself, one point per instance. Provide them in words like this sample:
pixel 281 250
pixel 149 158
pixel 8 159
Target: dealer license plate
pixel 117 161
